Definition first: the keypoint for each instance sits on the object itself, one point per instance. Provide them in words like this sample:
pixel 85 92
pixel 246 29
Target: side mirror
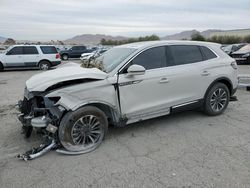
pixel 136 70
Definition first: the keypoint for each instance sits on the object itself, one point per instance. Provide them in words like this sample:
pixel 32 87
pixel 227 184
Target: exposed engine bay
pixel 48 98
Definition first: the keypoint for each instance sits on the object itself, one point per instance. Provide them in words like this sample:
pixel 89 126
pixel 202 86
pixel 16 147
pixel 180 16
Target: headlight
pixel 246 55
pixel 54 99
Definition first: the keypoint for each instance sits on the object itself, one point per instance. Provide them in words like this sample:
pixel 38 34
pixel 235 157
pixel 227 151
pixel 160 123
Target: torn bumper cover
pixel 39 151
pixel 39 113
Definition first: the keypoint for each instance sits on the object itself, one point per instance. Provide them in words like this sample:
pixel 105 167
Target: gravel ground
pixel 187 149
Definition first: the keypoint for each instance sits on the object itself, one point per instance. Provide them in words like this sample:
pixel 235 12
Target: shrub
pixel 197 37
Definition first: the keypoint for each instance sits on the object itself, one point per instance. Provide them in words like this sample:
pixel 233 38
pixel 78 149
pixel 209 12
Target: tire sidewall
pixel 207 107
pixel 65 57
pixel 68 121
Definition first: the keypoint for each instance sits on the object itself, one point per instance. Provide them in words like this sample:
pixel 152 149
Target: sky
pixel 62 19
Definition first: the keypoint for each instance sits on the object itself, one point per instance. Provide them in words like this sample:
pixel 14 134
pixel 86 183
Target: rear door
pixel 30 56
pixel 76 52
pixel 14 57
pixel 187 74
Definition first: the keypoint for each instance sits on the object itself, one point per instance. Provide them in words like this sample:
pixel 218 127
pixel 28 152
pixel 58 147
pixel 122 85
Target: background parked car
pixel 229 49
pixel 74 52
pixel 42 56
pixel 88 56
pixel 242 56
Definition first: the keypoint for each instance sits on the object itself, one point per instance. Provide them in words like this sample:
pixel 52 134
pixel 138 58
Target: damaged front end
pixel 40 113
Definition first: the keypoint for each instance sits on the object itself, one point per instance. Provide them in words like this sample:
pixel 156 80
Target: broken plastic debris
pixel 37 152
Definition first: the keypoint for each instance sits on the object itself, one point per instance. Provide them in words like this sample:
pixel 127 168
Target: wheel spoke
pixel 86 131
pixel 92 139
pixel 96 132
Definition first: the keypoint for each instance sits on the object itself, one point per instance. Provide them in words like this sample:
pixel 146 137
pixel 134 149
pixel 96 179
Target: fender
pixel 224 80
pixel 112 112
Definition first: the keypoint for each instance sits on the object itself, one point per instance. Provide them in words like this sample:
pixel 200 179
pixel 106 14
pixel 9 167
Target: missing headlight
pixel 54 99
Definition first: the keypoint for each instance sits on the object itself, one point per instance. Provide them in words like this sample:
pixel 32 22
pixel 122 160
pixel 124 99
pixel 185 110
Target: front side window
pixel 152 58
pixel 30 50
pixel 48 49
pixel 185 54
pixel 16 51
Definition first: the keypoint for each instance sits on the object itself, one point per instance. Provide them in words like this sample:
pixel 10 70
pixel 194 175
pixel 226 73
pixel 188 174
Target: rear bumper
pixel 55 63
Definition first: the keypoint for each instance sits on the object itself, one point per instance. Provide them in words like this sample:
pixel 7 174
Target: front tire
pixel 216 99
pixel 1 67
pixel 83 130
pixel 65 57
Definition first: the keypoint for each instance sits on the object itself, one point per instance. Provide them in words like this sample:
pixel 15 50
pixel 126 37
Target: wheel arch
pixel 223 80
pixel 1 65
pixel 64 53
pixel 44 60
pixel 109 110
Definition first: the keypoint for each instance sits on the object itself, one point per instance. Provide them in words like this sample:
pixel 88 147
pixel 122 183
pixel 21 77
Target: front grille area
pixel 237 55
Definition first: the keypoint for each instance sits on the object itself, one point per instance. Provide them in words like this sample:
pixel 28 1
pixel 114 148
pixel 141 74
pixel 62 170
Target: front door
pixel 144 96
pixel 14 57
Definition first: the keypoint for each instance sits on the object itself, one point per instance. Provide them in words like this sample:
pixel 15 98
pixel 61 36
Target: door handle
pixel 205 73
pixel 164 80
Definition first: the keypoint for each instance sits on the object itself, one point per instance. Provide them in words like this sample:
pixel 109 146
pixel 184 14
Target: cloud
pixel 60 19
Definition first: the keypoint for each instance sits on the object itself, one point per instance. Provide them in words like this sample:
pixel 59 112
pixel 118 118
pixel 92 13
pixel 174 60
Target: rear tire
pixel 44 65
pixel 216 99
pixel 83 130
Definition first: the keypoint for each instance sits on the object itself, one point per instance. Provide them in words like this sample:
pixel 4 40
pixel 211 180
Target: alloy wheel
pixel 218 99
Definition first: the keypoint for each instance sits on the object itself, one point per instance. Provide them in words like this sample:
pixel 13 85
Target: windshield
pixel 112 58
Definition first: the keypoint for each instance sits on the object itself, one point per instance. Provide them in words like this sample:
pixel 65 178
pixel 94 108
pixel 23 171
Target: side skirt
pixel 166 111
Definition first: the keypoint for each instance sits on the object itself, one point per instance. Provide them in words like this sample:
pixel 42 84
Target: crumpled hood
pixel 69 71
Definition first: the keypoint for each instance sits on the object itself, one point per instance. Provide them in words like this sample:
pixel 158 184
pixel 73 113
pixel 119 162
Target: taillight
pixel 234 65
pixel 58 56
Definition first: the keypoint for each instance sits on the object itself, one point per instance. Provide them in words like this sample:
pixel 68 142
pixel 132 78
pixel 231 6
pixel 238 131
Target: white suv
pixel 134 82
pixel 42 56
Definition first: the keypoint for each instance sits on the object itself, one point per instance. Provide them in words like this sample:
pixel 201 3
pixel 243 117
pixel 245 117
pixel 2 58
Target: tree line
pixel 130 40
pixel 222 39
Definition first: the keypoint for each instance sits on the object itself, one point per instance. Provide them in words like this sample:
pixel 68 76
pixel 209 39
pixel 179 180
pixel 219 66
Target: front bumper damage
pixel 41 114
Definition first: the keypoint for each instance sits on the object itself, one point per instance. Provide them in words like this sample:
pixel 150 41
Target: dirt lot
pixel 182 150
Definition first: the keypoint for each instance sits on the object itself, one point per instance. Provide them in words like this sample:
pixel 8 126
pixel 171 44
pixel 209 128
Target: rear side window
pixel 185 54
pixel 152 58
pixel 48 49
pixel 29 50
pixel 207 53
pixel 82 48
pixel 75 48
pixel 16 51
